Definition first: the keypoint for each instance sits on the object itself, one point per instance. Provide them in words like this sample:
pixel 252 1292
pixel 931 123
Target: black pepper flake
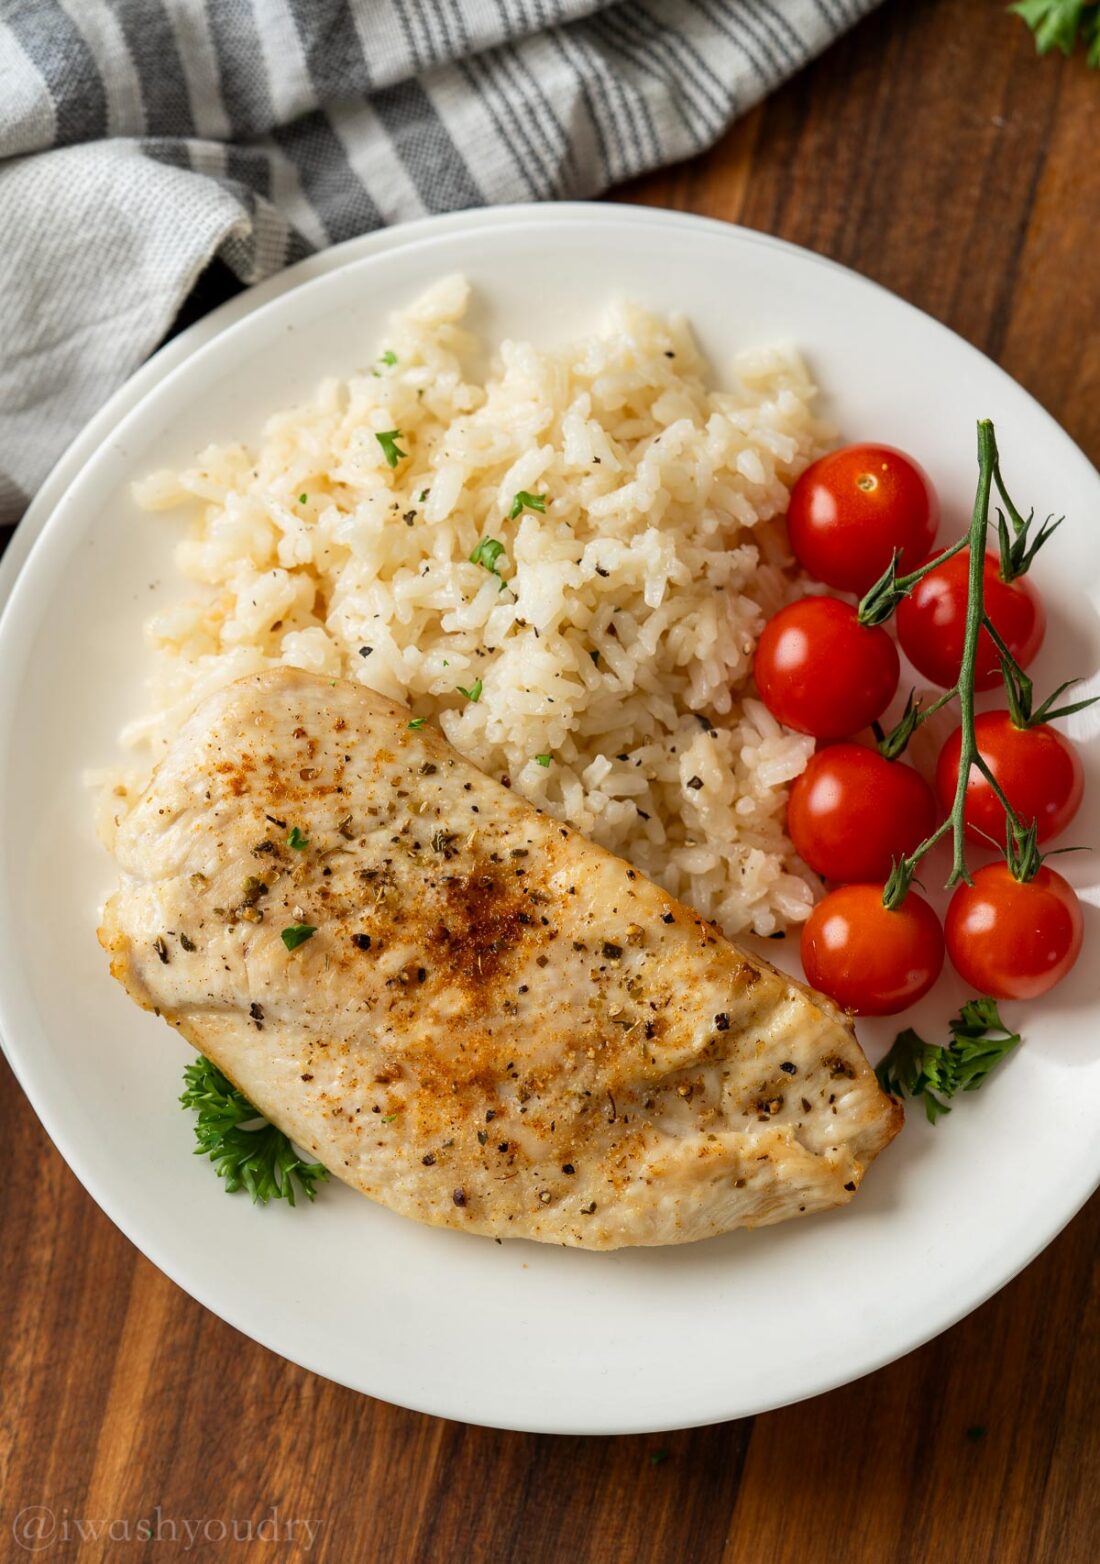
pixel 503 1146
pixel 696 783
pixel 365 651
pixel 567 1167
pixel 361 941
pixel 429 1160
pixel 187 942
pixel 722 1021
pixel 668 917
pixel 600 571
pixel 256 1012
pixel 788 1068
pixel 482 1138
pixel 161 949
pixel 612 952
pixel 588 1210
pixel 421 974
pixel 850 1188
pixel 807 1106
pixel 490 1115
pixel 280 823
pixel 459 1197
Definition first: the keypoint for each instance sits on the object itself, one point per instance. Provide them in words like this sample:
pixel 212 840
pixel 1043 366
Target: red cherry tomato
pixel 852 509
pixel 851 813
pixel 1014 941
pixel 820 671
pixel 870 960
pixel 1038 769
pixel 932 622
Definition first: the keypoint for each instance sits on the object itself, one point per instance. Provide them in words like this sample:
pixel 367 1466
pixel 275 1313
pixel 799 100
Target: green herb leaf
pixel 423 495
pixel 417 723
pixel 914 1068
pixel 524 501
pixel 389 358
pixel 302 498
pixel 486 554
pixel 247 1151
pixel 543 760
pixel 1062 24
pixel 390 448
pixel 297 934
pixel 297 840
pixel 474 692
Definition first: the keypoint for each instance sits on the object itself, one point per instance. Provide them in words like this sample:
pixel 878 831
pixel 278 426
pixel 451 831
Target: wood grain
pixel 931 151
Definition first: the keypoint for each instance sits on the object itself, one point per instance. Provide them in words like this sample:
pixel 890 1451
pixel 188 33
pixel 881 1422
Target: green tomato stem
pixel 900 880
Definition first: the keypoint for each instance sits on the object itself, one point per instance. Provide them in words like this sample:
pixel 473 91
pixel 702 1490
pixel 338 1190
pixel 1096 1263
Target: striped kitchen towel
pixel 140 138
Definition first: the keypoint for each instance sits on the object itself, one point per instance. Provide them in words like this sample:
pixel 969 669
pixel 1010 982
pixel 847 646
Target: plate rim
pixel 172 359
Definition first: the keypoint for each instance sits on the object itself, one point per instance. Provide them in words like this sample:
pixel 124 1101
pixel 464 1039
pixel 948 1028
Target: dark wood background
pixel 931 151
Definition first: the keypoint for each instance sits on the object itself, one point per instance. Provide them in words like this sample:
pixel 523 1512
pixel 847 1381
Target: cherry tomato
pixel 820 671
pixel 1014 941
pixel 851 813
pixel 870 960
pixel 932 622
pixel 1038 769
pixel 852 509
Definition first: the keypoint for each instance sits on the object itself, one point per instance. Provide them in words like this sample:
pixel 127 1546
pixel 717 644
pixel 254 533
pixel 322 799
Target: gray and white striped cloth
pixel 140 138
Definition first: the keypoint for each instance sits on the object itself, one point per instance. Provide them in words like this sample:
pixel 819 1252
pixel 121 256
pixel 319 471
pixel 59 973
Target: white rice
pixel 621 643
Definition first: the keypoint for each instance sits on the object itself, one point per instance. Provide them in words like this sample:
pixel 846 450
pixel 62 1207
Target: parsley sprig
pixel 914 1068
pixel 1063 24
pixel 247 1151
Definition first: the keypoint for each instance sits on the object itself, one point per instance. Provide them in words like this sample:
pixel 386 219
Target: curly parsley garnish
pixel 914 1068
pixel 543 760
pixel 390 448
pixel 474 692
pixel 417 723
pixel 297 934
pixel 1062 24
pixel 247 1151
pixel 524 501
pixel 389 358
pixel 297 840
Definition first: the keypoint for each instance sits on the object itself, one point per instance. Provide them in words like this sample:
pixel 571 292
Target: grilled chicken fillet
pixel 496 1026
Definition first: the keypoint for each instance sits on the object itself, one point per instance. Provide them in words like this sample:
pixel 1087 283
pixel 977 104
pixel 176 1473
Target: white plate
pixel 524 1336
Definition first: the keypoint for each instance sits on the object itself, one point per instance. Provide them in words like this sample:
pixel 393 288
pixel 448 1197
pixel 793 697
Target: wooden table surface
pixel 933 152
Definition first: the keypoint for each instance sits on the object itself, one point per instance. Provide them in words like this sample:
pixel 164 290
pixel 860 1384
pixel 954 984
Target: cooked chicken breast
pixel 496 1026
